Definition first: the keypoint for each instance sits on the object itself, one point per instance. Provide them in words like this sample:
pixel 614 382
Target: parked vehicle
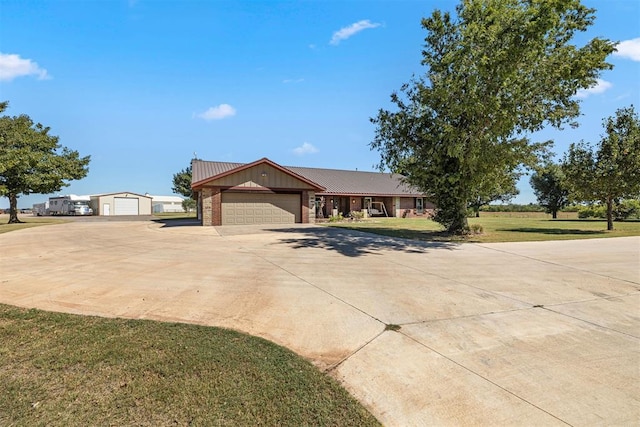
pixel 41 209
pixel 70 205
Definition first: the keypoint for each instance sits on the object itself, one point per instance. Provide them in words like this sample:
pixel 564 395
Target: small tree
pixel 189 205
pixel 610 171
pixel 549 187
pixel 500 188
pixel 496 71
pixel 32 161
pixel 182 183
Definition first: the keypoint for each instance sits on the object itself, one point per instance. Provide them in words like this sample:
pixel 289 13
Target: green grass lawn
pixel 28 222
pixel 62 369
pixel 497 228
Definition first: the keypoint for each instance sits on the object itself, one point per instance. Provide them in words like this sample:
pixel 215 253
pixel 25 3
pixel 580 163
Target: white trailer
pixel 70 205
pixel 41 209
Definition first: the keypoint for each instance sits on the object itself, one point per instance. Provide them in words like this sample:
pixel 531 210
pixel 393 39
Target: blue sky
pixel 142 85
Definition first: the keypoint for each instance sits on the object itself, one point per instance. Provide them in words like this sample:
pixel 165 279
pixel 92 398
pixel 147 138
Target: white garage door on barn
pixel 122 203
pixel 252 208
pixel 125 206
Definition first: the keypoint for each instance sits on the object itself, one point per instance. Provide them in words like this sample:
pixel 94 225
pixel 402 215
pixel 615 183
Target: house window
pixel 419 205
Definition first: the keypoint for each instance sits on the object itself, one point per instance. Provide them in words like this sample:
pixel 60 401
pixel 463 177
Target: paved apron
pixel 476 334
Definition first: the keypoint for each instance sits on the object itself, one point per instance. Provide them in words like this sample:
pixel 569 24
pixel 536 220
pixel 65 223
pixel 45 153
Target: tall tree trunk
pixel 459 224
pixel 554 214
pixel 609 214
pixel 477 213
pixel 13 209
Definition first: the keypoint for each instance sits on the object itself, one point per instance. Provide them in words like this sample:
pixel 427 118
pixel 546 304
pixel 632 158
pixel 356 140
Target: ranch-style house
pixel 264 192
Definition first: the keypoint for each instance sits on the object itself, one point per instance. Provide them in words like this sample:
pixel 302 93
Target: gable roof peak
pixel 201 174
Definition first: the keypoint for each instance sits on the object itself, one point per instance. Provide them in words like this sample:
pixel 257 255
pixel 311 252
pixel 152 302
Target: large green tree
pixel 182 183
pixel 548 183
pixel 496 71
pixel 32 160
pixel 610 171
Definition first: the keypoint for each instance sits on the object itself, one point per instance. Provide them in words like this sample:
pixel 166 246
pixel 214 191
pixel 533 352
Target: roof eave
pixel 338 193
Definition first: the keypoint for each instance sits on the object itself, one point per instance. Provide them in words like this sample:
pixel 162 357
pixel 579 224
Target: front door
pixel 344 207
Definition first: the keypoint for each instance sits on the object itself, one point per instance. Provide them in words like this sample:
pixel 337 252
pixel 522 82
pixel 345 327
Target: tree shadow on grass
pixel 554 231
pixel 604 221
pixel 354 243
pixel 579 221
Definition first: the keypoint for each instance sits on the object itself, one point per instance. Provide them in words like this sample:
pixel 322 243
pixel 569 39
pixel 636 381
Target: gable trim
pixel 198 185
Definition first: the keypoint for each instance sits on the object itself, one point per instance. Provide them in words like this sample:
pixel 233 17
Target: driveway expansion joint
pixel 302 279
pixel 498 367
pixel 467 316
pixel 582 270
pixel 460 282
pixel 353 353
pixel 597 325
pixel 484 378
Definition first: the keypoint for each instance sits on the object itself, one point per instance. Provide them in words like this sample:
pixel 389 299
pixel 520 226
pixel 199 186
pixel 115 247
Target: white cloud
pixel 292 80
pixel 346 32
pixel 599 87
pixel 629 49
pixel 12 66
pixel 218 113
pixel 305 148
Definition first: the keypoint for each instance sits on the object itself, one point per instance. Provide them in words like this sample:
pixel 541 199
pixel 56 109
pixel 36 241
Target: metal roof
pixel 335 181
pixel 166 199
pixel 120 192
pixel 202 170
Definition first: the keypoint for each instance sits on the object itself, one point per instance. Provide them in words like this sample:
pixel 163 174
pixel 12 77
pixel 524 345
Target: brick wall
pixel 408 209
pixel 357 206
pixel 216 205
pixel 211 206
pixel 308 206
pixel 206 206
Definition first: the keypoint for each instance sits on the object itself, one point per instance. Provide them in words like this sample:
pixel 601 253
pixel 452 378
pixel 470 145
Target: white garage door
pixel 251 208
pixel 125 206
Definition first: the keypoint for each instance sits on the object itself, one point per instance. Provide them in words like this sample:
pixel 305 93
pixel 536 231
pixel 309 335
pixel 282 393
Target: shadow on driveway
pixel 181 222
pixel 353 243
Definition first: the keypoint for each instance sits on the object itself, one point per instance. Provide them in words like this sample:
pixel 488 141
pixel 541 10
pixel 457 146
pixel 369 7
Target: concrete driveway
pixel 489 334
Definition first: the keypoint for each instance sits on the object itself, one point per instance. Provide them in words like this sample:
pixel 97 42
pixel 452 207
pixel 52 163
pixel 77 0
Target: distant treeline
pixel 626 209
pixel 512 207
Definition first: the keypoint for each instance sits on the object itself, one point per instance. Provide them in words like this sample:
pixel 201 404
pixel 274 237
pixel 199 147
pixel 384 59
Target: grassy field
pixel 28 222
pixel 62 369
pixel 498 227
